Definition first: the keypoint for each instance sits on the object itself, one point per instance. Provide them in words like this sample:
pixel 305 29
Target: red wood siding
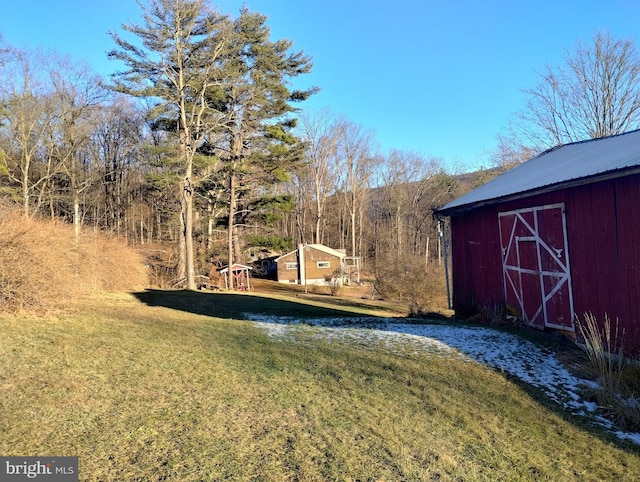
pixel 628 229
pixel 603 237
pixel 477 269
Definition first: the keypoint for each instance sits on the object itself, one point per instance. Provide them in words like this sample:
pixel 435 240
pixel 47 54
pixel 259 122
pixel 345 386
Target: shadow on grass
pixel 354 303
pixel 241 306
pixel 229 305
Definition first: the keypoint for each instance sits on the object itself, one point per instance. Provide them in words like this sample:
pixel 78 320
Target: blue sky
pixel 438 77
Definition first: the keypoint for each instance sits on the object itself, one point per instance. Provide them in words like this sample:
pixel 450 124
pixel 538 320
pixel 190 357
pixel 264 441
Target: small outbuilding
pixel 555 238
pixel 241 278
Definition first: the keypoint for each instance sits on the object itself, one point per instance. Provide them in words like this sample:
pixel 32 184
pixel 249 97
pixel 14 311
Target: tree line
pixel 199 142
pixel 212 156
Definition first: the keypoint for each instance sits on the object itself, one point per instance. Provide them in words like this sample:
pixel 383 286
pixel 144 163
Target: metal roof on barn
pixel 565 165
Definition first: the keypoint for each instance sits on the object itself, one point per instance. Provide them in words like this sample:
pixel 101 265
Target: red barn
pixel 555 238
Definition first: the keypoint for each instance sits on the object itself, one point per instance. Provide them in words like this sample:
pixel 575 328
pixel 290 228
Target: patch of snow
pixel 633 437
pixel 501 351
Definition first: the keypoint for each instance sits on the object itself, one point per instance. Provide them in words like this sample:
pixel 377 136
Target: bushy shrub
pixel 409 279
pixel 43 268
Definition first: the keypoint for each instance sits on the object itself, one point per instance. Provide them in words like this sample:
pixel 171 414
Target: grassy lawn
pixel 151 388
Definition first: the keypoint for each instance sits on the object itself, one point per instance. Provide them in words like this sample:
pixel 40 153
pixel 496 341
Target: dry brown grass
pixel 42 268
pixel 604 346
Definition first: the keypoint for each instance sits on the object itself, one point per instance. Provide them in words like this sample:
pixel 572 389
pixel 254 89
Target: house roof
pixel 319 247
pixel 578 162
pixel 284 255
pixel 326 249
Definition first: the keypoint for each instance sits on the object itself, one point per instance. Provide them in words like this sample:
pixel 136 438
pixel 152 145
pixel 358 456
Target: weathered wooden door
pixel 535 265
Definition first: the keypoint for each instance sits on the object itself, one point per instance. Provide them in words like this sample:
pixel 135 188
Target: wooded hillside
pixel 198 147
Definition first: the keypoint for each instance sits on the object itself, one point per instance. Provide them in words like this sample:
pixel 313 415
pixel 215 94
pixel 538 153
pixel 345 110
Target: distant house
pixel 265 268
pixel 311 264
pixel 555 238
pixel 262 260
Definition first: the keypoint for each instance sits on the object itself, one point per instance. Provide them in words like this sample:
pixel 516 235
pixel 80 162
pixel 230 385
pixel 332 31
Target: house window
pixel 323 264
pixel 291 265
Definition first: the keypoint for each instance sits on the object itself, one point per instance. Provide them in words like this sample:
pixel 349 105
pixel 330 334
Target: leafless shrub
pixel 107 263
pixel 408 279
pixel 42 267
pixel 334 282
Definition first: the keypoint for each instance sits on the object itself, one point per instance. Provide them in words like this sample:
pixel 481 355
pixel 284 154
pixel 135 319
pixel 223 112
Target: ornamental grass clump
pixel 604 347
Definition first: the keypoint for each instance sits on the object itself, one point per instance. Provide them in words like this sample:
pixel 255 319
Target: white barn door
pixel 535 265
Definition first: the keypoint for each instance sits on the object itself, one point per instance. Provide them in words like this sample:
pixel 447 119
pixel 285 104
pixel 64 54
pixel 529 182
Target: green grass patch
pixel 141 391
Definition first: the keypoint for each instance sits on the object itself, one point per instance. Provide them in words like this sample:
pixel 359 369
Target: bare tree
pixel 510 152
pixel 595 94
pixel 77 95
pixel 404 202
pixel 27 115
pixel 115 144
pixel 357 164
pixel 5 51
pixel 320 175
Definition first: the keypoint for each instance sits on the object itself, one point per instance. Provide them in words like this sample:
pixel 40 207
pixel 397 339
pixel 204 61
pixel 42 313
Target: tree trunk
pixel 182 250
pixel 353 230
pixel 232 213
pixel 187 213
pixel 25 187
pixel 319 209
pixel 209 222
pixel 76 201
pixel 76 215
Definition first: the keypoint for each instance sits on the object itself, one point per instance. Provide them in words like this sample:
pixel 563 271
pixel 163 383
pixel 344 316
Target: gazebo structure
pixel 240 274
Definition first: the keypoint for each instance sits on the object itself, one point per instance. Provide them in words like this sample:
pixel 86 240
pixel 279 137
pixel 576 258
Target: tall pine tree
pixel 176 60
pixel 258 144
